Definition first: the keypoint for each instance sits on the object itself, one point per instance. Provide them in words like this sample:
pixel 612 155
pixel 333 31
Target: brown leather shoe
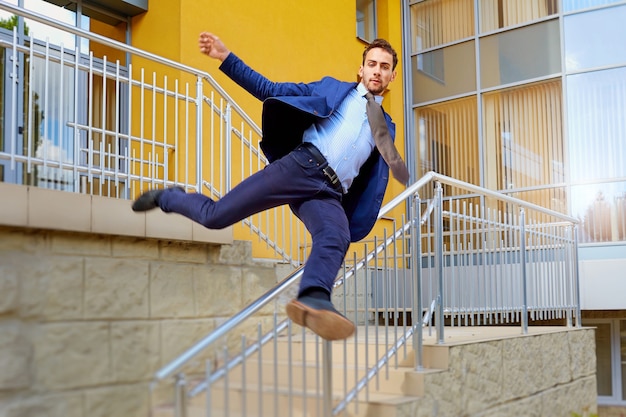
pixel 321 317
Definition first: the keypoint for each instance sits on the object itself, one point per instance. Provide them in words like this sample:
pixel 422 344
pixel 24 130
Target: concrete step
pixel 293 403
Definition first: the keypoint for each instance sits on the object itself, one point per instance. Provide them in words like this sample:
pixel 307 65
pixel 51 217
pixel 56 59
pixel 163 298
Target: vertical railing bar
pixel 367 314
pixel 46 93
pixel 60 135
pixel 260 368
pixel 290 366
pixel 386 298
pixel 576 277
pixel 376 288
pixel 275 363
pixel 212 142
pixel 396 288
pixel 165 138
pixel 180 395
pixel 417 322
pixel 327 385
pixel 355 320
pixel 76 131
pixel 117 156
pixel 318 381
pixel 187 112
pixel 473 255
pixel 241 151
pixel 102 151
pixel 103 121
pixel 482 294
pixel 500 274
pixel 228 148
pixel 223 117
pixel 304 373
pixel 30 127
pixel 199 133
pixel 493 279
pixel 356 317
pixel 403 239
pixel 439 261
pixel 176 135
pixel 523 271
pixel 15 83
pixel 130 127
pixel 142 104
pixel 452 256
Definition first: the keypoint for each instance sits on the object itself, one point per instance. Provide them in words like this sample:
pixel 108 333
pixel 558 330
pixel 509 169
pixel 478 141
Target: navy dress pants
pixel 295 179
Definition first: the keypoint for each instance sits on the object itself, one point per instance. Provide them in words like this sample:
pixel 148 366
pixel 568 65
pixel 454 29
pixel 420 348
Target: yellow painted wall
pixel 290 40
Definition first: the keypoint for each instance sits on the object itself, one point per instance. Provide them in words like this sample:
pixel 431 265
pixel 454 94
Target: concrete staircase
pixel 486 371
pixel 289 386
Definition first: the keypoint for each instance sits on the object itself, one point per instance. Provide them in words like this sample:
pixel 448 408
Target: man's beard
pixel 379 88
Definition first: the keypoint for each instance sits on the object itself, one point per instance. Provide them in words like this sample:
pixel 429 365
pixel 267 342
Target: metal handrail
pixel 176 364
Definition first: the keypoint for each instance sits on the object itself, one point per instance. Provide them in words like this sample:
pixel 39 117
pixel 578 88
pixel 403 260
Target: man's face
pixel 376 73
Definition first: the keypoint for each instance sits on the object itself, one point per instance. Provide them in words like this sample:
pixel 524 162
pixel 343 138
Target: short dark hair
pixel 383 44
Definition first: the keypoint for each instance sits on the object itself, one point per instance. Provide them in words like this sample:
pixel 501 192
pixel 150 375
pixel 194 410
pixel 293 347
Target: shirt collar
pixel 362 91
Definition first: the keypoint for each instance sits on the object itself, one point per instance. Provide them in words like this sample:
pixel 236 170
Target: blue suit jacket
pixel 290 108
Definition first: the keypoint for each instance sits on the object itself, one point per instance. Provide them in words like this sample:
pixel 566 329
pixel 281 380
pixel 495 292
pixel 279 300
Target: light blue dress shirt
pixel 345 138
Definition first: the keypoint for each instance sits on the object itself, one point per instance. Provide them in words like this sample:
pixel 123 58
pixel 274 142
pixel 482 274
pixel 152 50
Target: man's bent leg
pixel 281 182
pixel 326 221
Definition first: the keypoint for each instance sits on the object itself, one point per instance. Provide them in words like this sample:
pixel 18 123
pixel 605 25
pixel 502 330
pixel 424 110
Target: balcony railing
pixel 96 125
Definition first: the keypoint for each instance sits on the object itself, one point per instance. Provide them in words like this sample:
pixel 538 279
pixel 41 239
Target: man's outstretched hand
pixel 212 46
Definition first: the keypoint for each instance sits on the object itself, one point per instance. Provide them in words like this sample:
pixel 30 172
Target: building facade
pixel 529 98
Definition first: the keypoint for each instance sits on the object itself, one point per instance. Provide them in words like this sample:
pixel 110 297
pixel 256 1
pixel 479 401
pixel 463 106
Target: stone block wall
pixel 548 374
pixel 86 319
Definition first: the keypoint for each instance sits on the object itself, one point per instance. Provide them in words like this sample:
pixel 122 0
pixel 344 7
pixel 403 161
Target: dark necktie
pixel 383 140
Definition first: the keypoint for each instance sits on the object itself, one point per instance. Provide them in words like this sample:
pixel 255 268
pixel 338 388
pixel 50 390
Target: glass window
pixel 520 54
pixel 596 105
pixel 447 139
pixel 42 31
pixel 497 14
pixel 438 22
pixel 523 139
pixel 444 72
pixel 592 39
pixel 601 209
pixel 366 19
pixel 570 5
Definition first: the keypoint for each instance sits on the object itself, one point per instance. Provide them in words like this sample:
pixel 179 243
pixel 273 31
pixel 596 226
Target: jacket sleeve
pixel 258 85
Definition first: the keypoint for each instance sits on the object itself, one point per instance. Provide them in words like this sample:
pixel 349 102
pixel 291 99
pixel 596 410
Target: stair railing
pixel 484 258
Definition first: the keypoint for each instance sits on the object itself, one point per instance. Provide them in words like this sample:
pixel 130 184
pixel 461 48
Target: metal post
pixel 522 221
pixel 416 257
pixel 569 270
pixel 576 278
pixel 180 398
pixel 327 381
pixel 228 148
pixel 439 258
pixel 199 134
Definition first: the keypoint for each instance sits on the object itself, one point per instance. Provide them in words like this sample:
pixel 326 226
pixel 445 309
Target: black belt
pixel 329 173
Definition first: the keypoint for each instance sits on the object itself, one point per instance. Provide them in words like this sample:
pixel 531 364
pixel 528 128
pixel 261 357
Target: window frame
pixel 367 8
pixel 616 363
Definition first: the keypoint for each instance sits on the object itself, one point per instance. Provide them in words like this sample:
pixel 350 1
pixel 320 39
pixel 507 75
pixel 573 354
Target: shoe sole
pixel 325 323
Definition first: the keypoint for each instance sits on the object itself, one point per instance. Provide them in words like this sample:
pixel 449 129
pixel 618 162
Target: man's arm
pixel 253 82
